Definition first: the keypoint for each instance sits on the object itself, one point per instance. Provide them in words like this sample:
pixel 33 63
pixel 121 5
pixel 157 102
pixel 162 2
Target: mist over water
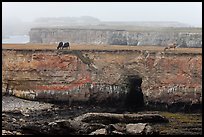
pixel 19 17
pixel 16 39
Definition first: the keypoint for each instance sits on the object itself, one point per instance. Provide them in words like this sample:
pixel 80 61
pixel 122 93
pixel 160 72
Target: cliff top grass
pixel 91 47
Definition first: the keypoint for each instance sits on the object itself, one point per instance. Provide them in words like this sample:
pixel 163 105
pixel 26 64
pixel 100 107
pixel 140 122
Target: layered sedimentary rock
pixel 103 76
pixel 116 37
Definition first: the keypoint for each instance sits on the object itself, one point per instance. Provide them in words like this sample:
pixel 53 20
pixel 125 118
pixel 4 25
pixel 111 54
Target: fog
pixel 20 16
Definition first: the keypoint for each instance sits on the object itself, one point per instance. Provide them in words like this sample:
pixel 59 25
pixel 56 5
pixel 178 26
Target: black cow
pixel 60 46
pixel 66 45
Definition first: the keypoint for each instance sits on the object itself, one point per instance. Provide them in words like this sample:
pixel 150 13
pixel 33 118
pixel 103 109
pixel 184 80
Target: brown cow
pixel 174 45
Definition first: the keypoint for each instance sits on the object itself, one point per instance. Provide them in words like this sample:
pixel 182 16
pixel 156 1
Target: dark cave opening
pixel 134 98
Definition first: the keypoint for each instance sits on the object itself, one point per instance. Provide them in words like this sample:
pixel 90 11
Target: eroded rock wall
pixel 116 37
pixel 101 76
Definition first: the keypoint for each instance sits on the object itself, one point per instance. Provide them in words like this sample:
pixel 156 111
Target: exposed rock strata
pixel 116 37
pixel 167 78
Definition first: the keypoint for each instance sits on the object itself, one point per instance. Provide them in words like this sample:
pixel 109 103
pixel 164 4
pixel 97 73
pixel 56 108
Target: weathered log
pixel 111 118
pixel 90 123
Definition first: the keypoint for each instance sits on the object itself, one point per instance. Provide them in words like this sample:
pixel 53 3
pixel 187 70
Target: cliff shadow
pixel 134 98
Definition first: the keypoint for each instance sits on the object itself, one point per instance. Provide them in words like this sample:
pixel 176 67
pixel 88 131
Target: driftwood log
pixel 98 123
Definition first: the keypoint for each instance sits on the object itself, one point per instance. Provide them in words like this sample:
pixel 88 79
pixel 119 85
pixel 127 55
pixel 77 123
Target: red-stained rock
pixel 165 77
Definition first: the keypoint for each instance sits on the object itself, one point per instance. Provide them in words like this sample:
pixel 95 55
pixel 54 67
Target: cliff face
pixel 103 76
pixel 116 37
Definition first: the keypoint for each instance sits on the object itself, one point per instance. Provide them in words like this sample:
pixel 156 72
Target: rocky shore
pixel 24 117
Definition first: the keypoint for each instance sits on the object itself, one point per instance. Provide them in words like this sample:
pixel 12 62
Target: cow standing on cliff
pixel 60 45
pixel 66 45
pixel 63 45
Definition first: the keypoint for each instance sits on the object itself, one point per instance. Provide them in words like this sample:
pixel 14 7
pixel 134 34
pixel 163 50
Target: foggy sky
pixel 183 12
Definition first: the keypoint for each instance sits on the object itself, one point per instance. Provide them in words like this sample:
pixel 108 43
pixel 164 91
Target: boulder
pixel 139 129
pixel 101 131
